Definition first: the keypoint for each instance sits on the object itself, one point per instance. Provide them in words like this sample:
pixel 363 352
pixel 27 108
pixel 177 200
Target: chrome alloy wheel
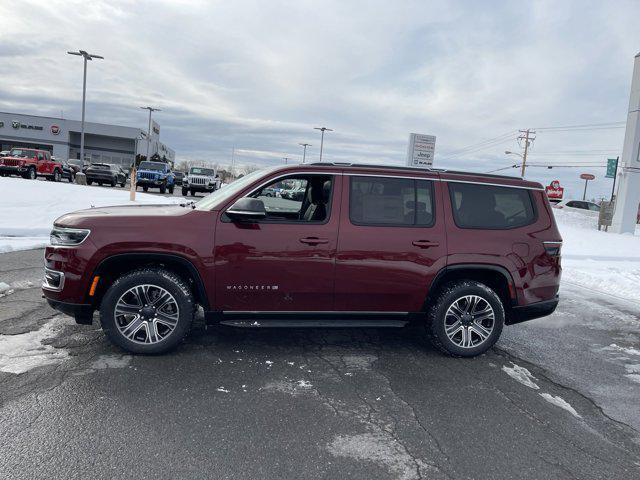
pixel 146 314
pixel 469 321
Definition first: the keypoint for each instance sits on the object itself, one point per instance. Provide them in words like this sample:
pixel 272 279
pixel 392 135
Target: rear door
pixel 392 242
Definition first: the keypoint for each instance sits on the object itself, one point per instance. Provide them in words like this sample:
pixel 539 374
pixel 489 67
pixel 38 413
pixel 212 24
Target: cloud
pixel 258 76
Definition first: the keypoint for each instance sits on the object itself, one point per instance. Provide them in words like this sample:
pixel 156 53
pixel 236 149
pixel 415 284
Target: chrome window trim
pixel 491 184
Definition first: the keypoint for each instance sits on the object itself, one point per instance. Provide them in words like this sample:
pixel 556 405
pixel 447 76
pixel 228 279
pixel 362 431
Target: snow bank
pixel 28 208
pixel 602 261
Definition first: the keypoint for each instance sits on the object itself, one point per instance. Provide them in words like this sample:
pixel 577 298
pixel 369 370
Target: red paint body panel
pixel 359 268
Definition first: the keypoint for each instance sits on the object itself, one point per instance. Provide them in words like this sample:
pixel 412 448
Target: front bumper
pixel 83 313
pixel 524 313
pixel 148 182
pixel 11 169
pixel 199 188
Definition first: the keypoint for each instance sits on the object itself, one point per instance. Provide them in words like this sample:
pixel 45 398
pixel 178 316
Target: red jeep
pixel 367 246
pixel 30 163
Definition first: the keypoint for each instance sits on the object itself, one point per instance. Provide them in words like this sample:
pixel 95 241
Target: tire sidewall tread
pixel 437 310
pixel 155 276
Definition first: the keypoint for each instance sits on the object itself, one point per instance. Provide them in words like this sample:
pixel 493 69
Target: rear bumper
pixel 83 313
pixel 100 178
pixel 532 311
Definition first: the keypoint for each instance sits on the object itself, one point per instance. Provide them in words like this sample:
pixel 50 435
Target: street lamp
pixel 86 56
pixel 151 109
pixel 304 152
pixel 322 129
pixel 507 152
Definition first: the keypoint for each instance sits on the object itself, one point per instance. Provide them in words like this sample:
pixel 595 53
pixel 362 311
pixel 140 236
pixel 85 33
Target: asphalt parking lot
pixel 552 401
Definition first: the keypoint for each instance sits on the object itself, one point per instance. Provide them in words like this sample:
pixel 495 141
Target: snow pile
pixel 28 208
pixel 598 260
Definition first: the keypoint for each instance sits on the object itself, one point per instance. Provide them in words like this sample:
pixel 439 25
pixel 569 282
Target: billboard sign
pixel 554 191
pixel 421 150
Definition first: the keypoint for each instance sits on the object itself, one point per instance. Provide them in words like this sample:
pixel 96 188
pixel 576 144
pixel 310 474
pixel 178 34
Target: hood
pixel 115 215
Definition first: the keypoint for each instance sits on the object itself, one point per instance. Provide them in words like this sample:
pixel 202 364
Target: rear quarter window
pixel 491 207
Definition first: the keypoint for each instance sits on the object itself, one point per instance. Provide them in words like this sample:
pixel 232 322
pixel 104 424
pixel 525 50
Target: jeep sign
pixel 421 150
pixel 55 129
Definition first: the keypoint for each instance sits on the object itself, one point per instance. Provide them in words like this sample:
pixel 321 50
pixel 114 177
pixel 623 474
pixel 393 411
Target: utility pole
pixel 322 129
pixel 304 152
pixel 526 135
pixel 286 160
pixel 233 158
pixel 86 56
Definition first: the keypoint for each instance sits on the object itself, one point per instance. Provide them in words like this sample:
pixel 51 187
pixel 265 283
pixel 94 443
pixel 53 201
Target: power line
pixel 586 125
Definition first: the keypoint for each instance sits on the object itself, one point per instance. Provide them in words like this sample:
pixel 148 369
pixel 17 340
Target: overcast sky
pixel 258 76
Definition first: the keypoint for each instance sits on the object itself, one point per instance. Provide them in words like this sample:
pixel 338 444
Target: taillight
pixel 552 248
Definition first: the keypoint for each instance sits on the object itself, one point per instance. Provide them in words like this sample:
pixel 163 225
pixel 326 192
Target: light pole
pixel 286 160
pixel 86 56
pixel 507 152
pixel 151 109
pixel 304 152
pixel 322 129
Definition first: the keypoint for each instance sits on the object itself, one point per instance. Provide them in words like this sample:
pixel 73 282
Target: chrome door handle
pixel 313 240
pixel 424 243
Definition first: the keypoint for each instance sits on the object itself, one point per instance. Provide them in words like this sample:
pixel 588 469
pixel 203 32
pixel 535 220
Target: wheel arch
pixel 113 266
pixel 496 277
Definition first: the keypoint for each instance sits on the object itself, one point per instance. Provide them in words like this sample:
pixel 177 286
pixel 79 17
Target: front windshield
pixel 152 166
pixel 202 171
pixel 16 152
pixel 217 198
pixel 73 161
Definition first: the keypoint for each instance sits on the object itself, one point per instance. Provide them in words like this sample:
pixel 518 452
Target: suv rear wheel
pixel 149 310
pixel 466 319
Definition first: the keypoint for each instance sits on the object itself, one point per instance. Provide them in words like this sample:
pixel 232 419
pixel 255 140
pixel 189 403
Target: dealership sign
pixel 554 190
pixel 421 150
pixel 55 129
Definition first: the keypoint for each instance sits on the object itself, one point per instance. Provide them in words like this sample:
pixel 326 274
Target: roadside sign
pixel 554 191
pixel 612 167
pixel 421 150
pixel 587 176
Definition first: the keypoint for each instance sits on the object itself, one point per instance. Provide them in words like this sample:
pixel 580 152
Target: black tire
pixel 72 178
pixel 193 194
pixel 171 189
pixel 56 175
pixel 123 184
pixel 31 173
pixel 158 277
pixel 145 188
pixel 437 319
pixel 185 191
pixel 89 182
pixel 163 188
pixel 113 182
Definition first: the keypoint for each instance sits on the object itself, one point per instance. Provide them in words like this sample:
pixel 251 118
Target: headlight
pixel 185 180
pixel 68 236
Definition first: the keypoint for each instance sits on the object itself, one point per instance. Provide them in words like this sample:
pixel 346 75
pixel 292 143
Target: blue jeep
pixel 155 175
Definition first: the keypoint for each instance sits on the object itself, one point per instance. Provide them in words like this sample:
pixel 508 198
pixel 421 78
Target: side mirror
pixel 247 209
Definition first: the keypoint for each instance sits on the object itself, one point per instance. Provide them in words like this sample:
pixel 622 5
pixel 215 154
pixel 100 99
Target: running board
pixel 310 319
pixel 282 323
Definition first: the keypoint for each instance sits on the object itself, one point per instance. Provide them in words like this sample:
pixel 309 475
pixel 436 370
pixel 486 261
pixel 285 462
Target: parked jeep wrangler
pixel 155 175
pixel 200 179
pixel 30 163
pixel 462 254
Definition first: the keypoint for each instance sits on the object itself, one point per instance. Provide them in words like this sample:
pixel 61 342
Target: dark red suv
pixel 461 253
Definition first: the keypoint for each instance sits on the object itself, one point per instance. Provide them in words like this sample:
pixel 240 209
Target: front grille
pixel 198 180
pixel 148 175
pixel 9 162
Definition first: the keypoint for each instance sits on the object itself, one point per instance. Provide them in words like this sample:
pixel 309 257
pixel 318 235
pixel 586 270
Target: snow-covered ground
pixel 28 208
pixel 602 261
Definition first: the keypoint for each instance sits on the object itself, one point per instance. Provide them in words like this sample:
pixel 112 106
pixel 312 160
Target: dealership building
pixel 102 143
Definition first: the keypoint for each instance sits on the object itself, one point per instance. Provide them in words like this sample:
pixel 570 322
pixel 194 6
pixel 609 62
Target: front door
pixel 392 243
pixel 286 261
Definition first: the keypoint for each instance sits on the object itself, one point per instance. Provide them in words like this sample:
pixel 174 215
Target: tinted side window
pixel 490 207
pixel 390 201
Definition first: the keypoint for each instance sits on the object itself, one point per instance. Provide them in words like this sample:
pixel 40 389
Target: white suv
pixel 200 179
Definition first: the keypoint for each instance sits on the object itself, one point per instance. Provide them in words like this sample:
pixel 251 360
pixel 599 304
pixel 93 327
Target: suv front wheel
pixel 149 310
pixel 466 319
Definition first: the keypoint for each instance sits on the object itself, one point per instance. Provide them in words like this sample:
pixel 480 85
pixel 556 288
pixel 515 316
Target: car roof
pixel 443 174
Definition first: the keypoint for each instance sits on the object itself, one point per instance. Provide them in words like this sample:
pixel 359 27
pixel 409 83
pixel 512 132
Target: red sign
pixel 587 176
pixel 55 129
pixel 554 191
